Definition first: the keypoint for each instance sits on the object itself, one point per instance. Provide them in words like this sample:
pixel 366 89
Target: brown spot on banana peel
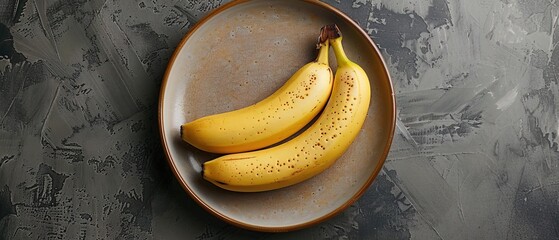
pixel 315 107
pixel 296 172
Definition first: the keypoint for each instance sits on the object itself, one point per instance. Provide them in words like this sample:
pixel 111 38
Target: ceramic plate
pixel 239 54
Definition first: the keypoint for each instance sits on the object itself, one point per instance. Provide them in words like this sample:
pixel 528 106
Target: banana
pixel 271 120
pixel 312 151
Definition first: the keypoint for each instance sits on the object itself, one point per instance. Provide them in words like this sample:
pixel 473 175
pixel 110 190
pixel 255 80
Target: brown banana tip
pixel 180 131
pixel 328 32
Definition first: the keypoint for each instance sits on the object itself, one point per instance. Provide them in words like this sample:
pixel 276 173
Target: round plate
pixel 241 53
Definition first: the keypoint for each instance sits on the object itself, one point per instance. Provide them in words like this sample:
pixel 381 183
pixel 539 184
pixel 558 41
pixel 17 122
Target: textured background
pixel 475 154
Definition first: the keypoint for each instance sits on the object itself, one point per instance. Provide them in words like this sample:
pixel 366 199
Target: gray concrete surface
pixel 475 154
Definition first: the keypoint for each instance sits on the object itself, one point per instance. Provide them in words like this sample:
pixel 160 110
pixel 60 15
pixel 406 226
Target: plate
pixel 241 53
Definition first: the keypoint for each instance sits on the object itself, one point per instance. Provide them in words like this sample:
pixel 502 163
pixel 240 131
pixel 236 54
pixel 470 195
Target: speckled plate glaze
pixel 241 53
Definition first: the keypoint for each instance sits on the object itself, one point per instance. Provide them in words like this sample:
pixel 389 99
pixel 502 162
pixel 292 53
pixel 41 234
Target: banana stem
pixel 323 44
pixel 334 35
pixel 341 58
pixel 323 53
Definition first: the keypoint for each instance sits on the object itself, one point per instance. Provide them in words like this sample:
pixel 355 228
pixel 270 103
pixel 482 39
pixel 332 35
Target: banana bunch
pixel 310 152
pixel 271 120
pixel 344 102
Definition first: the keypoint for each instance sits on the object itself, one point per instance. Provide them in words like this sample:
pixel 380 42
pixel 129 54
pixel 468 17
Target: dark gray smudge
pixel 532 214
pixel 86 216
pixel 391 34
pixel 61 10
pixel 151 58
pixel 530 9
pixel 551 71
pixel 439 14
pixel 48 186
pixel 539 59
pixel 136 210
pixel 102 166
pixel 7 49
pixel 359 13
pixel 11 11
pixel 6 205
pixel 538 105
pixel 387 215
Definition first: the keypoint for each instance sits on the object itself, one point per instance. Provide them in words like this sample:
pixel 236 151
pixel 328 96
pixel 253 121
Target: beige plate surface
pixel 236 56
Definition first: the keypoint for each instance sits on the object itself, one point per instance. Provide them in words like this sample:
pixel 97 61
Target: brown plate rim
pixel 226 218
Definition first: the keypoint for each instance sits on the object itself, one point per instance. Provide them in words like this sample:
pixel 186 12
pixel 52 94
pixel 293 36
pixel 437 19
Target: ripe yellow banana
pixel 311 152
pixel 271 120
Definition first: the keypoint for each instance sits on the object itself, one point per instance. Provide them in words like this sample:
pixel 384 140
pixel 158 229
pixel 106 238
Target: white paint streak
pixel 404 130
pixel 508 99
pixel 4 63
pixel 12 103
pixel 51 105
pixel 43 19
